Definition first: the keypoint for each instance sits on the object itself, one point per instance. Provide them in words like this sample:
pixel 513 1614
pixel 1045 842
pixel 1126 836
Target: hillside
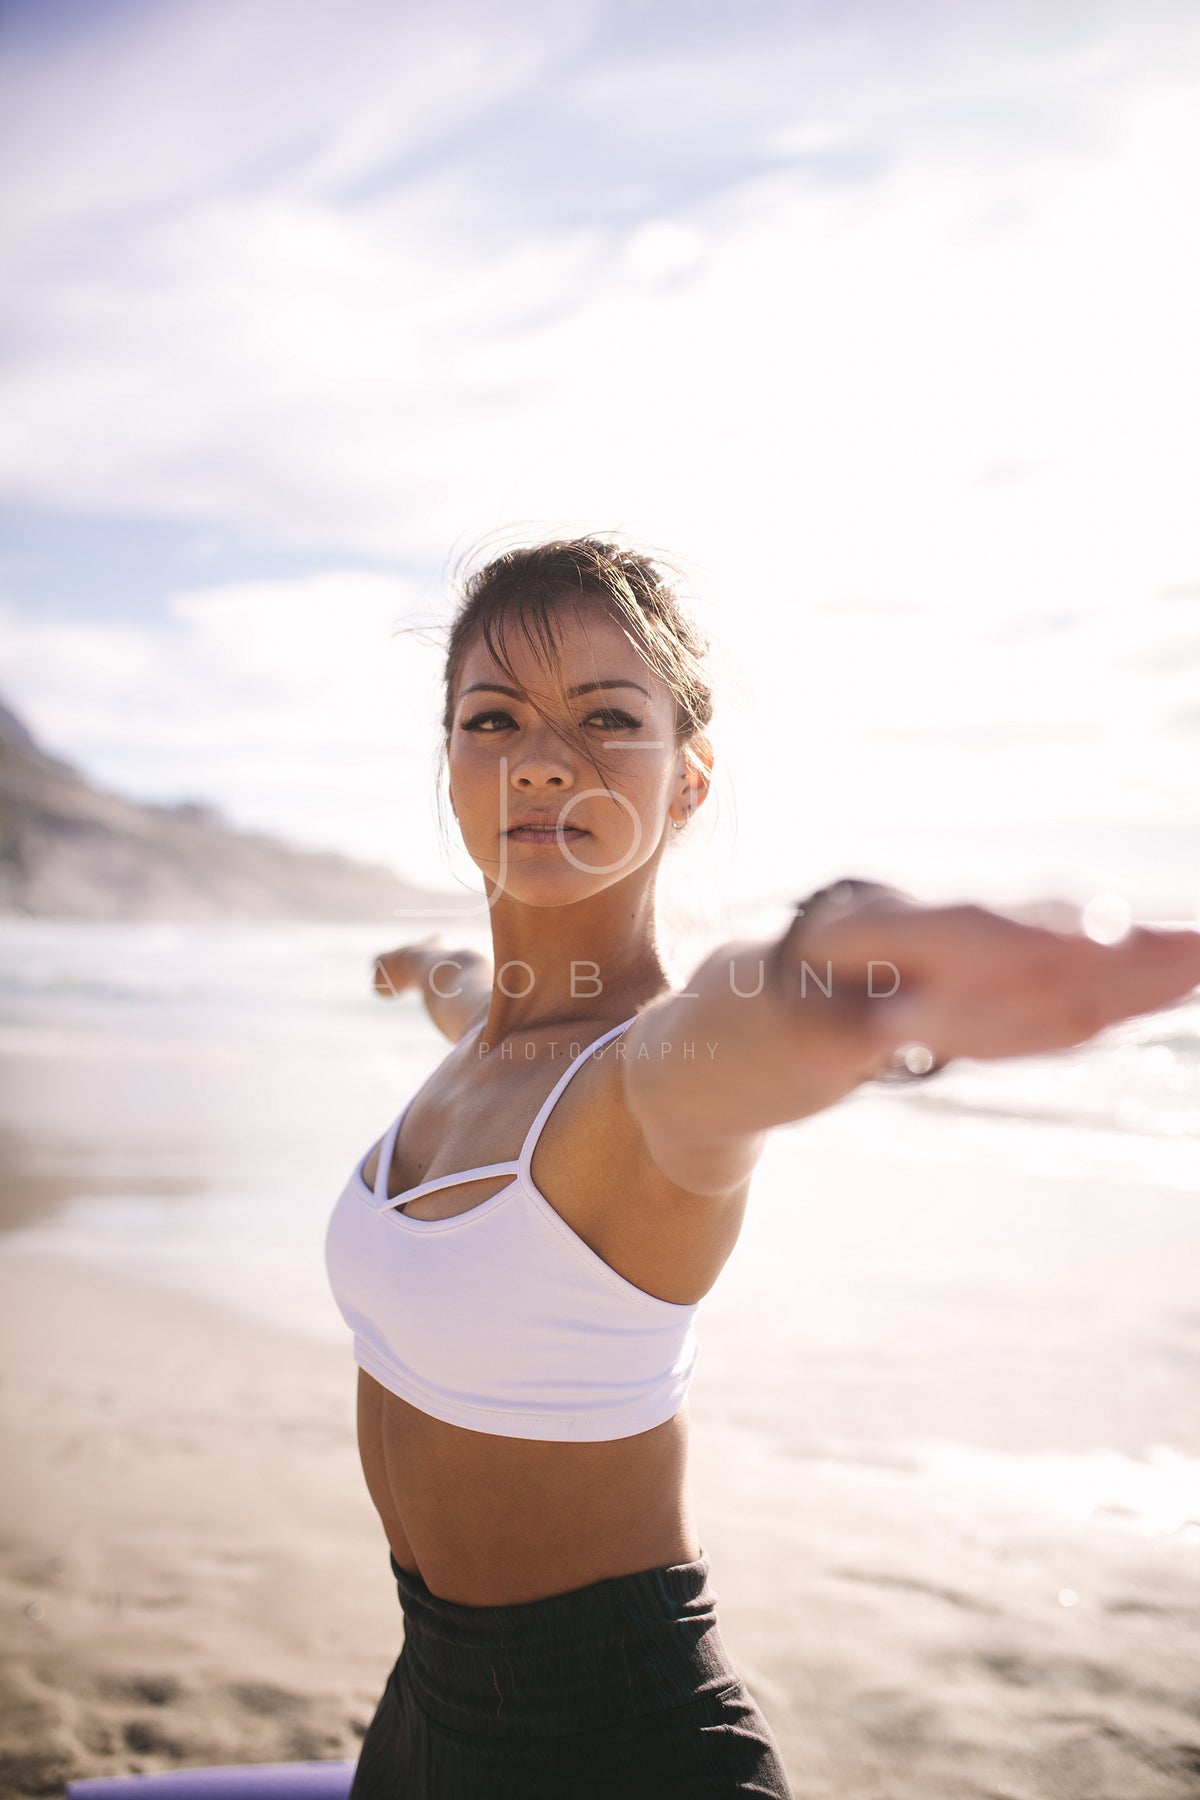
pixel 69 849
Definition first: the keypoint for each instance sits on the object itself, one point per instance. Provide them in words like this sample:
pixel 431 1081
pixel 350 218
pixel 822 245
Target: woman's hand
pixel 770 1032
pixel 454 984
pixel 966 981
pixel 397 970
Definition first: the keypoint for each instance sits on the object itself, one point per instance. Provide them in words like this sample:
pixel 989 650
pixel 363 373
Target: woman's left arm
pixel 769 1032
pixel 454 984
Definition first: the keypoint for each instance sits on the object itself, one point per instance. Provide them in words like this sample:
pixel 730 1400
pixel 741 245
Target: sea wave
pixel 1140 1080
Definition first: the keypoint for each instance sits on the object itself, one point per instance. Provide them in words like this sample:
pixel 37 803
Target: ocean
pixel 990 1277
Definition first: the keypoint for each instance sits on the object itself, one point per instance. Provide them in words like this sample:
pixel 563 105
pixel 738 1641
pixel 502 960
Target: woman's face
pixel 510 770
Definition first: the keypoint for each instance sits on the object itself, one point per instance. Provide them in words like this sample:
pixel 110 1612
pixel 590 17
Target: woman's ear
pixel 698 758
pixel 696 766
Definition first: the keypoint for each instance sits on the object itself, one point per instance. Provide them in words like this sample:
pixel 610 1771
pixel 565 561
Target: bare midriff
pixel 494 1521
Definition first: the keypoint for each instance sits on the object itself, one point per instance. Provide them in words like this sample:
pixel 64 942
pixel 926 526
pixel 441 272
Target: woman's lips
pixel 544 834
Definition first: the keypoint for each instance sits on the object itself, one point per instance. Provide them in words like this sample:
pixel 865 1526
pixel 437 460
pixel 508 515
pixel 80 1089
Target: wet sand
pixel 191 1573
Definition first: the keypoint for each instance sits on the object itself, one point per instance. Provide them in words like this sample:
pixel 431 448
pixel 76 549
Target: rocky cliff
pixel 69 849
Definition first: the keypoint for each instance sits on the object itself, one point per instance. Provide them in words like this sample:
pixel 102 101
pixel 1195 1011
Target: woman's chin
pixel 542 883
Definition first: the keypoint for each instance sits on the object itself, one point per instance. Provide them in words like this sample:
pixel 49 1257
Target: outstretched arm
pixel 454 984
pixel 778 1029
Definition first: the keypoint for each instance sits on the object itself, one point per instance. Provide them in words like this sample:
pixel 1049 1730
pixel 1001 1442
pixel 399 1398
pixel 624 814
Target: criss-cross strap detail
pixel 501 1318
pixel 525 1160
pixel 515 1166
pixel 386 1152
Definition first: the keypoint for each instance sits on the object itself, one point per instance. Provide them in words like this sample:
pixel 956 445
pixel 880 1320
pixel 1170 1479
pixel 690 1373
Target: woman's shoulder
pixel 593 1165
pixel 592 1136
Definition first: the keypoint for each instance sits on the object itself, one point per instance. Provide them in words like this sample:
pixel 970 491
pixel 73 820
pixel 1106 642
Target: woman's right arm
pixel 454 984
pixel 770 1032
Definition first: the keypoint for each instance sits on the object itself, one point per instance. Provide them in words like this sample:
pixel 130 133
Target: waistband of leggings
pixel 613 1605
pixel 618 1648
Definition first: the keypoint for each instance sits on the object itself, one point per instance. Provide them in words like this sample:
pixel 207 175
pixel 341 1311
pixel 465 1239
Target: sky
pixel 877 318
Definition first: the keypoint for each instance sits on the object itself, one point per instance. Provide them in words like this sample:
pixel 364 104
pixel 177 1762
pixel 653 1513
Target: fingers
pixel 381 977
pixel 1092 986
pixel 994 989
pixel 392 972
pixel 395 970
pixel 1146 970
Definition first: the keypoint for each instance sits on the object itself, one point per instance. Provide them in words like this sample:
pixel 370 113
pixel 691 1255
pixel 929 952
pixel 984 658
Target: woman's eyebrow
pixel 584 687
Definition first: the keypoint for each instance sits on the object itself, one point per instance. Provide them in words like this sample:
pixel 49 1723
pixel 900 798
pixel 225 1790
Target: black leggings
pixel 621 1690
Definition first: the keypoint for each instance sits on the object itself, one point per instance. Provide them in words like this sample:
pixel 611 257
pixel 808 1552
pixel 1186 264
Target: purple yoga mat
pixel 250 1781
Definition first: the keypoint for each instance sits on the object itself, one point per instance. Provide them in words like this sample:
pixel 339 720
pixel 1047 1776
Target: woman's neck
pixel 594 958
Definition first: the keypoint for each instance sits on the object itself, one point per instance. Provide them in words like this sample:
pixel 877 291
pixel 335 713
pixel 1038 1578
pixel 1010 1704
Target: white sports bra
pixel 501 1318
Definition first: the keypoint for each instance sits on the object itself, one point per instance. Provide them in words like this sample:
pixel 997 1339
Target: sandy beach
pixel 192 1574
pixel 945 1422
pixel 190 1563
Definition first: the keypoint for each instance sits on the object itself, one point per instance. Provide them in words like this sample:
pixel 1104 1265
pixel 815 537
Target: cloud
pixel 134 111
pixel 348 320
pixel 342 378
pixel 923 740
pixel 888 309
pixel 300 706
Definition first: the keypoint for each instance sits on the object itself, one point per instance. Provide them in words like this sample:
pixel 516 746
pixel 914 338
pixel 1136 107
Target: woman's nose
pixel 540 771
pixel 544 759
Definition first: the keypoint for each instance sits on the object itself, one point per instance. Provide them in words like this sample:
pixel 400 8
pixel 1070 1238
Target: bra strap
pixel 548 1104
pixel 387 1147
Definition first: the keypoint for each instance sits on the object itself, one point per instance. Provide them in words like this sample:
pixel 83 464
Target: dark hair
pixel 528 587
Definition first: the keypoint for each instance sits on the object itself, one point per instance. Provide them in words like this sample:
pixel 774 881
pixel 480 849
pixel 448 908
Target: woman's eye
pixel 615 720
pixel 611 719
pixel 485 718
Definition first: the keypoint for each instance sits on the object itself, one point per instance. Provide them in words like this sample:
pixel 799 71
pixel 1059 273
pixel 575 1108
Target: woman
pixel 521 1255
